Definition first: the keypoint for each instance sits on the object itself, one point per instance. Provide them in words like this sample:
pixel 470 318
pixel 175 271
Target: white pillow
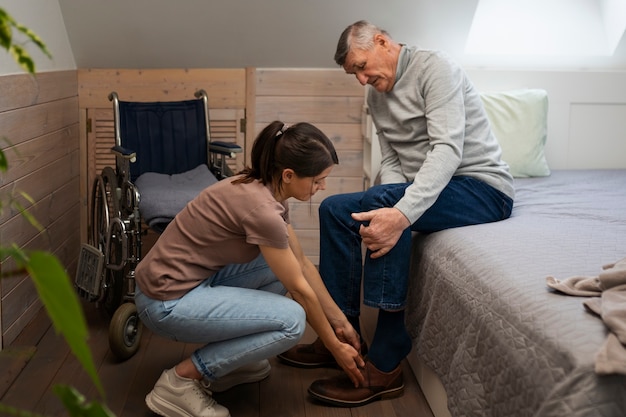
pixel 519 121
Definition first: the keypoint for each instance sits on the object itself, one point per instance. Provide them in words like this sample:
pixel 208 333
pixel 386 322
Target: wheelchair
pixel 156 143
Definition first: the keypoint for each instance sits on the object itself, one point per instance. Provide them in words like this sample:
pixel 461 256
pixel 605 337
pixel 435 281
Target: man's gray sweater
pixel 432 126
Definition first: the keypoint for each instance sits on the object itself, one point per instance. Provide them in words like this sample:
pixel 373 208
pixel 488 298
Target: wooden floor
pixel 39 359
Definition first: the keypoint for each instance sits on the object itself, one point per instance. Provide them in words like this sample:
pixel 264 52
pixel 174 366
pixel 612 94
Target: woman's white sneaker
pixel 176 396
pixel 252 372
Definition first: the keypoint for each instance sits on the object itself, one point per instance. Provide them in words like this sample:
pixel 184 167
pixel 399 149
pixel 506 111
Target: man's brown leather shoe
pixel 340 390
pixel 312 355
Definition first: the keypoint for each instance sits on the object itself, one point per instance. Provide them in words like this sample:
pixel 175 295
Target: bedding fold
pixel 609 303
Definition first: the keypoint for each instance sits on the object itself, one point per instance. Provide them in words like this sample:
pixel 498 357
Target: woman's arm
pixel 284 264
pixel 335 316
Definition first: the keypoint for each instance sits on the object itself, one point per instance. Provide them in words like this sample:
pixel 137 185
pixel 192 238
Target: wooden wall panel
pixel 322 109
pixel 28 123
pixel 332 101
pixel 307 83
pixel 21 90
pixel 226 88
pixel 39 119
pixel 32 155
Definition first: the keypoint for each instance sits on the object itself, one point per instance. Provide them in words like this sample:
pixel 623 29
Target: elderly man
pixel 441 168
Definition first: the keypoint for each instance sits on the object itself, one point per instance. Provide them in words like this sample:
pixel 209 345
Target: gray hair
pixel 359 35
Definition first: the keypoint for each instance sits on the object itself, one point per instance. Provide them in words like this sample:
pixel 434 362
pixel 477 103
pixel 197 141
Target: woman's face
pixel 303 188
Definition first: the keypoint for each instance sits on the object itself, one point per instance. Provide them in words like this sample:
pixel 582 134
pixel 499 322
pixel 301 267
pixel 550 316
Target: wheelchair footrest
pixel 89 272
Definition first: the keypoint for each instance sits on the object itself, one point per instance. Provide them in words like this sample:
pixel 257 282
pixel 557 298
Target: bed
pixel 489 331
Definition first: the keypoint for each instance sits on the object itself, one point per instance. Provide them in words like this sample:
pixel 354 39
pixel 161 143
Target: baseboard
pixel 431 386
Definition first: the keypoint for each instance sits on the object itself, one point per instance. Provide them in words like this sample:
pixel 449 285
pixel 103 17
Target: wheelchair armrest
pixel 124 153
pixel 224 148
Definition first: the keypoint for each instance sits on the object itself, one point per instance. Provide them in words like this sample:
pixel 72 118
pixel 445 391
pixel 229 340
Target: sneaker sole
pixel 227 382
pixel 163 408
pixel 388 394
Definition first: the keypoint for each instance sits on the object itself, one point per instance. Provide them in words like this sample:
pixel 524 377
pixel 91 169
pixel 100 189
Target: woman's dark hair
pixel 301 147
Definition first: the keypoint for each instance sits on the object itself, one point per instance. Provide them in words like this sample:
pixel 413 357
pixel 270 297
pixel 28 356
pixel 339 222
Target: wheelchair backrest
pixel 168 137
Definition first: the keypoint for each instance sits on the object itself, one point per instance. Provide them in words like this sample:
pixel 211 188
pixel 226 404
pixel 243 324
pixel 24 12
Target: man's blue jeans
pixel 465 201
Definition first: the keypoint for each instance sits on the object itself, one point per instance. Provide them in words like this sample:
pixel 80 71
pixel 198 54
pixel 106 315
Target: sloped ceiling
pixel 273 33
pixel 246 33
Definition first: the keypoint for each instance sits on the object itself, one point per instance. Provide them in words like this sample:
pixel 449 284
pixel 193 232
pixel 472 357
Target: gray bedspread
pixel 483 319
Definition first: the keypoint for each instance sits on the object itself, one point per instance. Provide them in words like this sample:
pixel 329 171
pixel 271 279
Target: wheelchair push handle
pixel 116 116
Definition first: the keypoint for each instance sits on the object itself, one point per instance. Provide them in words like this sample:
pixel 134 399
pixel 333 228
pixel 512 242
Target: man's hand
pixel 384 229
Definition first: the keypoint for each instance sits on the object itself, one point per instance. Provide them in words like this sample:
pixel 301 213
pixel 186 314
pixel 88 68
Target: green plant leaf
pixel 14 252
pixel 22 58
pixel 22 210
pixel 4 163
pixel 76 405
pixel 50 279
pixel 34 38
pixel 18 53
pixel 6 35
pixel 58 296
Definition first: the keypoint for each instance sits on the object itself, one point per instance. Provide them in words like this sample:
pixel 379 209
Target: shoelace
pixel 204 392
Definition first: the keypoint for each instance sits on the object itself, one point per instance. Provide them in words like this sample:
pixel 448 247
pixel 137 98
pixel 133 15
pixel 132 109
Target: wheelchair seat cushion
pixel 162 196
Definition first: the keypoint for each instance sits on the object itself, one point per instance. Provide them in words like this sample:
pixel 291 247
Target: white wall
pixel 586 113
pixel 44 18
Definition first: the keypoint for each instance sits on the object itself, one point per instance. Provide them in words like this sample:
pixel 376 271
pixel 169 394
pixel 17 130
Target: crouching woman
pixel 218 276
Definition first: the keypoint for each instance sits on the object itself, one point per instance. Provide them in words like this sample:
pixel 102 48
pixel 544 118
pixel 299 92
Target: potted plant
pixel 53 285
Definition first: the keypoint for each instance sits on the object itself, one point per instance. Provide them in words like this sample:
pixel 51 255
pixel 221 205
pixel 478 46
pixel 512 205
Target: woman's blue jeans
pixel 465 201
pixel 240 315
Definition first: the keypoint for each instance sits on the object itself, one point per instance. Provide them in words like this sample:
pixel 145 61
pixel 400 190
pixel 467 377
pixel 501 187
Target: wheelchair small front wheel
pixel 125 331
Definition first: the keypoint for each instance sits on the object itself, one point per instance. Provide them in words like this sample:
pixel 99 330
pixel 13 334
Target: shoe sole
pixel 163 408
pixel 307 365
pixel 388 394
pixel 228 381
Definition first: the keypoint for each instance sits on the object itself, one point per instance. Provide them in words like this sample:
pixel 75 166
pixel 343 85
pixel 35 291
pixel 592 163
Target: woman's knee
pixel 295 321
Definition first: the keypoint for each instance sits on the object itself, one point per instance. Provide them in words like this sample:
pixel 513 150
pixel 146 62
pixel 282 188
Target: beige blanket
pixel 609 290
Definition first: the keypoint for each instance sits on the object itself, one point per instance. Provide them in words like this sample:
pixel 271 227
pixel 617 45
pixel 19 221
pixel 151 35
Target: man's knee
pixel 328 204
pixel 338 203
pixel 379 196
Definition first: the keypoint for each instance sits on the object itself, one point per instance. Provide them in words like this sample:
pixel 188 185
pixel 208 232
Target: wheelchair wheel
pixel 125 331
pixel 99 218
pixel 114 279
pixel 104 206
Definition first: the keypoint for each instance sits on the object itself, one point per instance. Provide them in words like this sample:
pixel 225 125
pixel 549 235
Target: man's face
pixel 376 66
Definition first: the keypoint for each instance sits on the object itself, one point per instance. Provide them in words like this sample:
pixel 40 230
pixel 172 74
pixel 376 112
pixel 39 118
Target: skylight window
pixel 547 27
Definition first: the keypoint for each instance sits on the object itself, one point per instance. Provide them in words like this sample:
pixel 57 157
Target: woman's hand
pixel 346 333
pixel 350 361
